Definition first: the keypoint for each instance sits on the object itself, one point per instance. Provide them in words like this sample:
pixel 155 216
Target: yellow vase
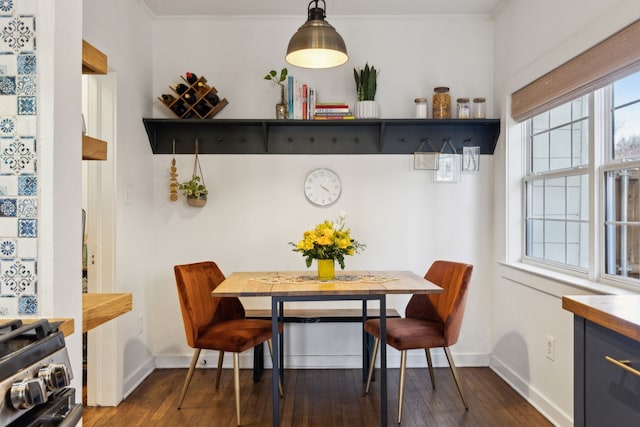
pixel 326 269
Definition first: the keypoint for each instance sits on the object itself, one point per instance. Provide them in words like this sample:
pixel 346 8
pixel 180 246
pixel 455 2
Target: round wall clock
pixel 322 187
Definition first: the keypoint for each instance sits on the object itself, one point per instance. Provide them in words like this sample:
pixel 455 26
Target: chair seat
pixel 409 334
pixel 235 336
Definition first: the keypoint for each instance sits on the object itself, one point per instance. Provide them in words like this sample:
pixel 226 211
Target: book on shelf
pixel 333 117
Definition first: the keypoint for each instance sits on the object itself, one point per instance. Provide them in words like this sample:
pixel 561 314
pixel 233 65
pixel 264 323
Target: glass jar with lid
pixel 441 104
pixel 421 108
pixel 479 108
pixel 463 108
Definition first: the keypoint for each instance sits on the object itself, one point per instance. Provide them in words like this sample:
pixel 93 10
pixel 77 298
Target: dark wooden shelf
pixel 377 136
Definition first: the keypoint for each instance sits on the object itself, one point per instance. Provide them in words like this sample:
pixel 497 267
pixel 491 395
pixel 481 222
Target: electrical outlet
pixel 140 323
pixel 551 348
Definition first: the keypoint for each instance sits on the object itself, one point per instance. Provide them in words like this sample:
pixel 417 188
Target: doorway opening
pixel 101 360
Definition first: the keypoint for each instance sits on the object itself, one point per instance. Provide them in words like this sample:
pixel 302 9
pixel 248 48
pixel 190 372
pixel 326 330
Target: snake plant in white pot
pixel 366 85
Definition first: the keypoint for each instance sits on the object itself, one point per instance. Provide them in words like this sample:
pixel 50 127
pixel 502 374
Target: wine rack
pixel 196 100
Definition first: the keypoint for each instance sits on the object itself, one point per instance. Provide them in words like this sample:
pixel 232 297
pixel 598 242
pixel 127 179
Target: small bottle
pixel 191 78
pixel 463 108
pixel 441 105
pixel 421 108
pixel 180 88
pixel 479 108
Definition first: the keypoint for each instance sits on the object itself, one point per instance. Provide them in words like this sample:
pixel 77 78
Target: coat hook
pixel 312 139
pixel 334 139
pixel 289 139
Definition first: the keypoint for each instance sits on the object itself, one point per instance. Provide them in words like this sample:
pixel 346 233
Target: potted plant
pixel 366 85
pixel 195 191
pixel 282 107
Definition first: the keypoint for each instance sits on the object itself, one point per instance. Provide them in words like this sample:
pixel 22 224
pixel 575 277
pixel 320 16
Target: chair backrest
pixel 448 306
pixel 199 309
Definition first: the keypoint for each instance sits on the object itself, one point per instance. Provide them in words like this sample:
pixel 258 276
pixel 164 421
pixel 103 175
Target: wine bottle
pixel 202 86
pixel 167 98
pixel 212 98
pixel 190 114
pixel 190 97
pixel 180 88
pixel 191 78
pixel 179 108
pixel 202 108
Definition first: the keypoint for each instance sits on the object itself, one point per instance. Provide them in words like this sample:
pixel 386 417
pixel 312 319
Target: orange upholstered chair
pixel 215 323
pixel 431 321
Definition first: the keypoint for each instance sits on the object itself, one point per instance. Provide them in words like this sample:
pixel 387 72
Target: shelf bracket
pixel 265 136
pixel 381 136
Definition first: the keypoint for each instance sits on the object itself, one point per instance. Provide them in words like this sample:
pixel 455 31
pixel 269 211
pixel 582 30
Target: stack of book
pixel 332 111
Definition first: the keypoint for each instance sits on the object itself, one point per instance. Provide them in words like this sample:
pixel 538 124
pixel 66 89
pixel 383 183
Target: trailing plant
pixel 366 81
pixel 193 189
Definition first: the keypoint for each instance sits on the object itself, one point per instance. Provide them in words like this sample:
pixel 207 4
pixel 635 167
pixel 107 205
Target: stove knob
pixel 27 393
pixel 55 376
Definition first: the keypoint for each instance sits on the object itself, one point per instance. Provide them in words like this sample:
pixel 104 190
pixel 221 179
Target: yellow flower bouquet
pixel 328 241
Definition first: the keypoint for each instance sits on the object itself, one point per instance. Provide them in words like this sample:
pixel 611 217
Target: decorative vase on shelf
pixel 366 110
pixel 282 108
pixel 326 269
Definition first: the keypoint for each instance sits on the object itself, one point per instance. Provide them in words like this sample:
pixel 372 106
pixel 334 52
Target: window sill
pixel 559 284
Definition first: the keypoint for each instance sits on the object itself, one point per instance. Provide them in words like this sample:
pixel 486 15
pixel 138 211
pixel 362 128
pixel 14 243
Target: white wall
pixel 122 30
pixel 256 204
pixel 531 39
pixel 59 131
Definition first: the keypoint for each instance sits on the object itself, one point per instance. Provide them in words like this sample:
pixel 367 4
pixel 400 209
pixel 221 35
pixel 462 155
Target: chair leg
pixel 220 357
pixel 187 380
pixel 456 377
pixel 236 382
pixel 279 382
pixel 376 344
pixel 403 372
pixel 430 366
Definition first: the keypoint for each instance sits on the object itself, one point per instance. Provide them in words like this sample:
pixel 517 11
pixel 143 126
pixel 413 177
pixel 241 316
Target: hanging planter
pixel 195 189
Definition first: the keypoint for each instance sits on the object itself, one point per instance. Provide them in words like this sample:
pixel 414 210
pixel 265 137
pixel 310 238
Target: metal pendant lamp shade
pixel 316 44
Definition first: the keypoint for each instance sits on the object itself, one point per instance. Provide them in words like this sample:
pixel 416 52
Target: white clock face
pixel 322 187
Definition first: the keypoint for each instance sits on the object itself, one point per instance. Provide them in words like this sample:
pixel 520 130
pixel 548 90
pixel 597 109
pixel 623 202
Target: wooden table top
pixel 620 313
pixel 302 283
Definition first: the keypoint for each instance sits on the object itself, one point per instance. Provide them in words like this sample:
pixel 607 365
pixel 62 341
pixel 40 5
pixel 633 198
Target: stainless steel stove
pixel 35 374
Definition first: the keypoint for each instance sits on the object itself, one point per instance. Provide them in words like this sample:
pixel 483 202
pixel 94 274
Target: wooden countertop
pixel 67 326
pixel 620 313
pixel 100 308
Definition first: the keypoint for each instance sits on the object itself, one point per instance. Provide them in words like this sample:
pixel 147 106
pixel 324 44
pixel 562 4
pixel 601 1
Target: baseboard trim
pixel 537 399
pixel 135 379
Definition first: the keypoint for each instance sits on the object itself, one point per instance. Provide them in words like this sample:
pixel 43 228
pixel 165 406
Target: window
pixel 557 191
pixel 557 185
pixel 622 182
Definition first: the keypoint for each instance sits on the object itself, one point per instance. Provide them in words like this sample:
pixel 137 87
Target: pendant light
pixel 316 44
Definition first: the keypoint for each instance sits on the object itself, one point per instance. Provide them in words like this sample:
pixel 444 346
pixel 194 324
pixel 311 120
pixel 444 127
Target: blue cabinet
pixel 605 394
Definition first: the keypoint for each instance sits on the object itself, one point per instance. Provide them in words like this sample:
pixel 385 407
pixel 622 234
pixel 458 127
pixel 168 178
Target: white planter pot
pixel 367 110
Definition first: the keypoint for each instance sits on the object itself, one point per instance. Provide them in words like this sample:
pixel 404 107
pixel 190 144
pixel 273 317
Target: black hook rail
pixel 377 136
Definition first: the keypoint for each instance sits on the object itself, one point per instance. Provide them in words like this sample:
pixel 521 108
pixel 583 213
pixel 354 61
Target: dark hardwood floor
pixel 320 398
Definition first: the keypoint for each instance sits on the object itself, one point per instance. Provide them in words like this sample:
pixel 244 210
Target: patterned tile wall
pixel 18 173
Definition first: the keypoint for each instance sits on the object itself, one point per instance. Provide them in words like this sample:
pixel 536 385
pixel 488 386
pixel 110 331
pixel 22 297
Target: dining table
pixel 364 286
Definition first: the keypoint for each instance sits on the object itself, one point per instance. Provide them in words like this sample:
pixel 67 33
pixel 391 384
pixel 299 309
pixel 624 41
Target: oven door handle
pixel 73 417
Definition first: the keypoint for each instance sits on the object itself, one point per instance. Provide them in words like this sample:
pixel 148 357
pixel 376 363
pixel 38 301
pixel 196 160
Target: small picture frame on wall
pixel 448 169
pixel 470 159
